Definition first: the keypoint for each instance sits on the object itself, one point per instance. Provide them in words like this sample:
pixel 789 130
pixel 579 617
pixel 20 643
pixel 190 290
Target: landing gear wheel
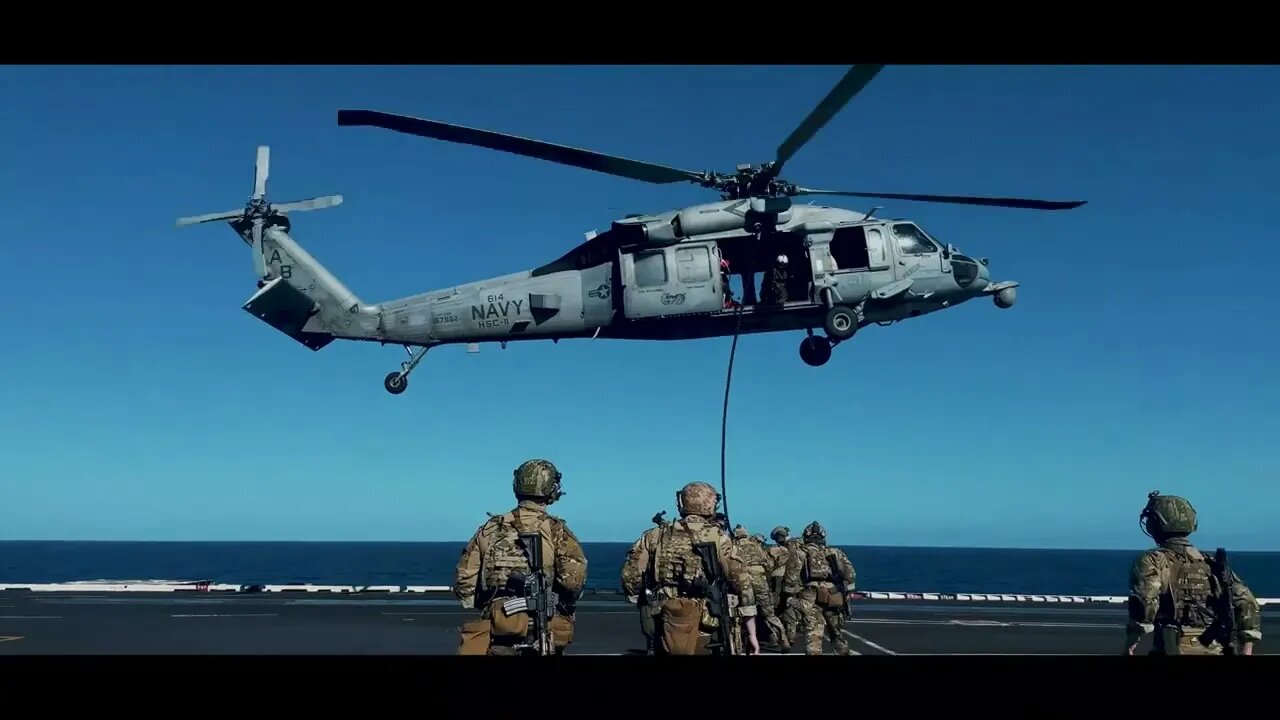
pixel 395 383
pixel 840 323
pixel 398 382
pixel 815 351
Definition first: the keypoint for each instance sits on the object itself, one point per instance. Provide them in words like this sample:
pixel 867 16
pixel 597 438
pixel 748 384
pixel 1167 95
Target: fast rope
pixel 724 414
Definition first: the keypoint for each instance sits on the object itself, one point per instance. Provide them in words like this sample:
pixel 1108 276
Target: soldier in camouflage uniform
pixel 787 609
pixel 810 582
pixel 683 624
pixel 744 614
pixel 759 565
pixel 646 600
pixel 1173 590
pixel 494 564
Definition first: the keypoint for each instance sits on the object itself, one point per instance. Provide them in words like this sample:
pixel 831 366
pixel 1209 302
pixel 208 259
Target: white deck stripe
pixel 221 615
pixel 869 643
pixel 207 586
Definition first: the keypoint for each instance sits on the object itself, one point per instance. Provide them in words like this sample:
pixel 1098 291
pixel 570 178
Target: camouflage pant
pixel 646 625
pixel 790 617
pixel 819 620
pixel 766 610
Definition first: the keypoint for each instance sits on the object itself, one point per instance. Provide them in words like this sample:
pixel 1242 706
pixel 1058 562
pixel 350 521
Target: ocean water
pixel 909 569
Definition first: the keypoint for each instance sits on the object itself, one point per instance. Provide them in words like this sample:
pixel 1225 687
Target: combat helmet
pixel 780 534
pixel 697 498
pixel 740 533
pixel 537 480
pixel 1167 516
pixel 814 533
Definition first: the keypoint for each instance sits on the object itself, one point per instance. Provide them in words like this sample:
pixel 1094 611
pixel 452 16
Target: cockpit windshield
pixel 912 240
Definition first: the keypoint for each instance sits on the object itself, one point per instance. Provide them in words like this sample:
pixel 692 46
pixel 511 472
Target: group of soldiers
pixel 795 584
pixel 704 590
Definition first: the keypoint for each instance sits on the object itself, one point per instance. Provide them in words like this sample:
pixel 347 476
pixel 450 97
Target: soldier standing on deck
pixel 1174 592
pixel 494 567
pixel 645 599
pixel 743 615
pixel 683 622
pixel 758 565
pixel 818 578
pixel 787 609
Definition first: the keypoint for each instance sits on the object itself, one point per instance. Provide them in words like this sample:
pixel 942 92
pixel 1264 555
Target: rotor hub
pixel 749 181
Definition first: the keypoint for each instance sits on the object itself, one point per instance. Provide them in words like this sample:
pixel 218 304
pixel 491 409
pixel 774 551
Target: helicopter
pixel 661 276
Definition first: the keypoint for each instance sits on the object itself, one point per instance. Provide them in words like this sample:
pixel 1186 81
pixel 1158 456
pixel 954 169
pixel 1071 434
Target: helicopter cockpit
pixel 911 239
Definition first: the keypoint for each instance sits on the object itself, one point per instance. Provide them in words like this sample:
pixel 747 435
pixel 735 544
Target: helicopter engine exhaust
pixel 1006 298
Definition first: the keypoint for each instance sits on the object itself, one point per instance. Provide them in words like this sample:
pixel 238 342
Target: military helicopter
pixel 647 277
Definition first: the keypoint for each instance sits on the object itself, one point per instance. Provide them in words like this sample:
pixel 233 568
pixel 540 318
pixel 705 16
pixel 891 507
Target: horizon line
pixel 1053 548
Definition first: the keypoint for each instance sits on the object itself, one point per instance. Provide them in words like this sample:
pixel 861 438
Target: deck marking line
pixel 9 638
pixel 213 615
pixel 869 643
pixel 983 623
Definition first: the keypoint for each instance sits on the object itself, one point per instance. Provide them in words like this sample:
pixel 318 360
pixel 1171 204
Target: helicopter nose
pixel 970 275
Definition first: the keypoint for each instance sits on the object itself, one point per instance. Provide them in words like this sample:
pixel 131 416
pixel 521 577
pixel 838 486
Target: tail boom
pixel 303 300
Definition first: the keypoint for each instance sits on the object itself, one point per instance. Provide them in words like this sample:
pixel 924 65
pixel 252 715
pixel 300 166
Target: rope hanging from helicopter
pixel 724 413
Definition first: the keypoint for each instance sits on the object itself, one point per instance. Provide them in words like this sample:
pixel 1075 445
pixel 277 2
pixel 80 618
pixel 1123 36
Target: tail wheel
pixel 840 323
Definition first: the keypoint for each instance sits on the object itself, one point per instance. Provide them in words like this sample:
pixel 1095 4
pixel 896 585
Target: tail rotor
pixel 250 222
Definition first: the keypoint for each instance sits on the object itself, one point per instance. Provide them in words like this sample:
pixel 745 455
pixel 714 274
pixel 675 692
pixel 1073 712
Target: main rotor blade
pixel 261 170
pixel 563 154
pixel 851 84
pixel 196 219
pixel 318 203
pixel 956 199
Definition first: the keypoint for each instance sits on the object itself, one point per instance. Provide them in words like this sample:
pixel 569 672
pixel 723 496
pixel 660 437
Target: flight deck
pixel 203 618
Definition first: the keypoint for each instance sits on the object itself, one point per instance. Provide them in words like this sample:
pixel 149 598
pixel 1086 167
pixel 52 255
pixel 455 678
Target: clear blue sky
pixel 141 402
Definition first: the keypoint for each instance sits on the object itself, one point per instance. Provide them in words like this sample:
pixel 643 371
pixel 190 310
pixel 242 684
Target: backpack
pixel 816 566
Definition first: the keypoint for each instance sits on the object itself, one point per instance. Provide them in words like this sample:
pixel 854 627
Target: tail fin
pixel 303 300
pixel 296 295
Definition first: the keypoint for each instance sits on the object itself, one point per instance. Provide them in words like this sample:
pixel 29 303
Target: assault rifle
pixel 535 597
pixel 1223 628
pixel 841 583
pixel 717 594
pixel 657 518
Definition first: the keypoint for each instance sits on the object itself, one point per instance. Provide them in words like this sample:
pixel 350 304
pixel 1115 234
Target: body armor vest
pixel 505 553
pixel 816 566
pixel 1187 602
pixel 675 562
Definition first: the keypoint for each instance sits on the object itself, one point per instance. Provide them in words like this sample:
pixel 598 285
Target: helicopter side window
pixel 693 265
pixel 911 241
pixel 848 248
pixel 650 268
